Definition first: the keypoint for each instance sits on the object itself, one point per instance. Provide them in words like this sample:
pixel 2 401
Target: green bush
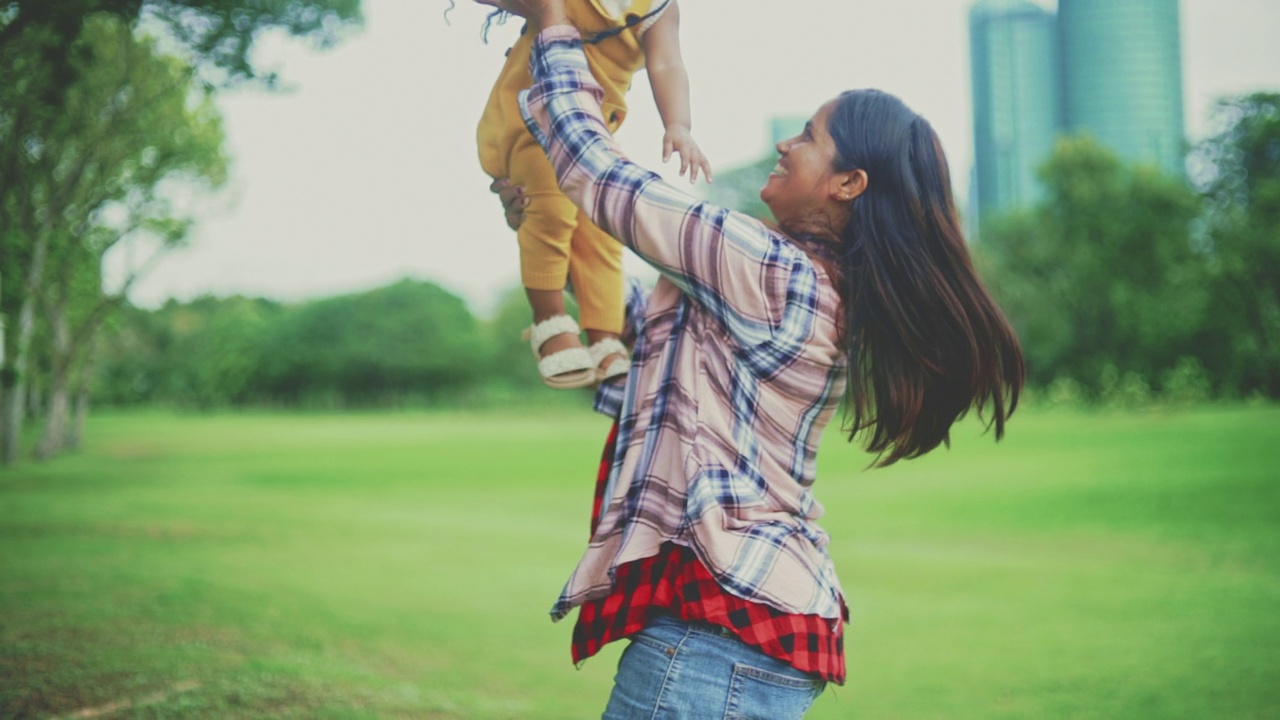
pixel 1186 383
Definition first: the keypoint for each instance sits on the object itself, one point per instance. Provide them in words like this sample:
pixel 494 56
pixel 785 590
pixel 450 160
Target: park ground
pixel 1093 565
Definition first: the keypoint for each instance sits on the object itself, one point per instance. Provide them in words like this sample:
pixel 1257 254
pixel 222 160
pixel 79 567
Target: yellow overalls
pixel 558 241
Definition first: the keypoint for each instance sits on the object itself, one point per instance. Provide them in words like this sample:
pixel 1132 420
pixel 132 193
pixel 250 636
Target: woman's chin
pixel 766 191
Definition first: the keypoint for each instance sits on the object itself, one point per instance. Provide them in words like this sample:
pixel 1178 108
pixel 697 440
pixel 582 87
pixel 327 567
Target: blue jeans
pixel 673 670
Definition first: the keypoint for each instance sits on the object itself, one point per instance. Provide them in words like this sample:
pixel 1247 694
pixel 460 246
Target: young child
pixel 558 244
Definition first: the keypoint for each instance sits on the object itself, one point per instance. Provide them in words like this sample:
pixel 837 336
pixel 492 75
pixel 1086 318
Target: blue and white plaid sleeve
pixel 749 278
pixel 609 394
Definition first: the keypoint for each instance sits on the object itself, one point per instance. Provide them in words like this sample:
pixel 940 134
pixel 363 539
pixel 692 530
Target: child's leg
pixel 595 269
pixel 545 236
pixel 544 261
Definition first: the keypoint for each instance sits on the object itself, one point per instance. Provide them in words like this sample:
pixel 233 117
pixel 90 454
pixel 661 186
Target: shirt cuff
pixel 609 396
pixel 557 32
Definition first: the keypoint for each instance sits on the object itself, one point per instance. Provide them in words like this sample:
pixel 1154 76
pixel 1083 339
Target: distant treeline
pixel 1124 283
pixel 411 342
pixel 1125 286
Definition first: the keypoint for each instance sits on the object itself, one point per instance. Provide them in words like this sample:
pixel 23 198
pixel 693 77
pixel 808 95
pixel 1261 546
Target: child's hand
pixel 679 140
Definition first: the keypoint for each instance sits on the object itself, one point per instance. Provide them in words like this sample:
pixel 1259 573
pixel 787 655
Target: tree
pixel 409 338
pixel 100 175
pixel 47 66
pixel 41 57
pixel 217 35
pixel 1103 271
pixel 205 354
pixel 1238 169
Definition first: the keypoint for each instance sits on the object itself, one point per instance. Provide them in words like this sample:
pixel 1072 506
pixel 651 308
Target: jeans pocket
pixel 639 682
pixel 652 644
pixel 756 694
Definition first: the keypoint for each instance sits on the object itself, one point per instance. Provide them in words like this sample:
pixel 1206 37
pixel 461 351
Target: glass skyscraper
pixel 1017 108
pixel 1122 77
pixel 1108 68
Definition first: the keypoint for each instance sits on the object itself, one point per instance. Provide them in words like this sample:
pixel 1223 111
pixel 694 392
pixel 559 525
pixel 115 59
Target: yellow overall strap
pixel 631 21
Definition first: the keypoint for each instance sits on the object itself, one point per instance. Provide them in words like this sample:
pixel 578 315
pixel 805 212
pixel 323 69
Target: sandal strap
pixel 541 332
pixel 616 368
pixel 609 346
pixel 603 349
pixel 565 361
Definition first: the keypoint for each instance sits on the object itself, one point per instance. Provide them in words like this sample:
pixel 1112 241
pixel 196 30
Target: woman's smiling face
pixel 800 185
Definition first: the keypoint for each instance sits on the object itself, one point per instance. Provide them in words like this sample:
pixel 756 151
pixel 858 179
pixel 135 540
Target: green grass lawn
pixel 401 566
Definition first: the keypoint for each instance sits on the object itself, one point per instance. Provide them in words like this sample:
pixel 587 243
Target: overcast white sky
pixel 366 172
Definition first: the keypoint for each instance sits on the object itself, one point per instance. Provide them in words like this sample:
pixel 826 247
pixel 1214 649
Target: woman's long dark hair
pixel 926 342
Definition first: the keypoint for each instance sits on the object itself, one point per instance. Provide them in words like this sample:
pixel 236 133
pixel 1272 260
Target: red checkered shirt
pixel 674 582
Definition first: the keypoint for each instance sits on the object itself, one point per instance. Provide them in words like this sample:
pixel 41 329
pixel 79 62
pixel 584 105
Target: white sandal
pixel 602 350
pixel 564 369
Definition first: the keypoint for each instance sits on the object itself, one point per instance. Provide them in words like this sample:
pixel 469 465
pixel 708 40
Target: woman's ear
pixel 851 184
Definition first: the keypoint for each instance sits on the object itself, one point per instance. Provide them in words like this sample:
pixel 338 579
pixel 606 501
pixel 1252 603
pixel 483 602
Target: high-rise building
pixel 1122 77
pixel 1108 68
pixel 1017 108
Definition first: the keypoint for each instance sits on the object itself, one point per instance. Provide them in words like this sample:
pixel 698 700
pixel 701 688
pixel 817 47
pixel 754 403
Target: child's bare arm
pixel 670 83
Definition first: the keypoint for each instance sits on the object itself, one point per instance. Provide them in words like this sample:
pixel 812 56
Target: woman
pixel 705 550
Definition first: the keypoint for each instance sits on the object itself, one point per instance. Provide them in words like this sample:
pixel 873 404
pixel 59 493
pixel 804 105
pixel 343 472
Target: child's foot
pixel 610 358
pixel 562 361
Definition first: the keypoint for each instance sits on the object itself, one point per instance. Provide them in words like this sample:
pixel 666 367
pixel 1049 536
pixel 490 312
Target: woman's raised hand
pixel 513 201
pixel 515 7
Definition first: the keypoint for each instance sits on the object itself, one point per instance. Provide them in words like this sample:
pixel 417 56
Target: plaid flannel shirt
pixel 608 398
pixel 734 375
pixel 675 583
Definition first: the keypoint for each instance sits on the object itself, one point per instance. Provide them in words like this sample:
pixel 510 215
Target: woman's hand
pixel 515 7
pixel 513 201
pixel 678 140
pixel 546 13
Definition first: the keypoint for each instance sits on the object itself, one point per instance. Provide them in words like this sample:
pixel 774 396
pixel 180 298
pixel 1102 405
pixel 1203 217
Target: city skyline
pixel 1110 69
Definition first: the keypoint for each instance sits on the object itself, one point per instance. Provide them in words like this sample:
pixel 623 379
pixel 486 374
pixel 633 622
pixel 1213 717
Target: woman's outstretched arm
pixel 743 273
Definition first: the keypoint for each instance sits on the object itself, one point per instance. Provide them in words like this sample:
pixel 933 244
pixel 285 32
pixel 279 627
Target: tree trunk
pixel 58 410
pixel 11 424
pixel 84 380
pixel 15 396
pixel 5 385
pixel 76 433
pixel 53 439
